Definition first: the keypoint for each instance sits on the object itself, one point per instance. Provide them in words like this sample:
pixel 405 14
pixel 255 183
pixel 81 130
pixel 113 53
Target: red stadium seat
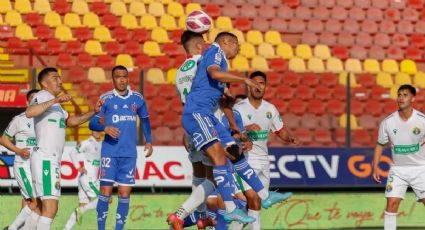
pixel 374 14
pixel 232 11
pixel 162 136
pixel 83 34
pixel 278 64
pixel 340 52
pixel 379 93
pixel 328 38
pixel 340 92
pixel 99 8
pixel 309 121
pixel 339 13
pixel 328 121
pixel 310 79
pixel 321 13
pixel 400 40
pixel 248 11
pixel 121 34
pixel 171 49
pixel 292 79
pixel 273 79
pixel 176 105
pixel 172 119
pixel 323 137
pixel 297 106
pixel 391 105
pixel 141 35
pixel 77 75
pixel 381 4
pixel 213 10
pixel 364 39
pixel 42 32
pixel 132 47
pixel 85 60
pixel 161 105
pixel 168 91
pixel 278 24
pixel 34 19
pixel 369 26
pixel 367 121
pixel 164 62
pixel 105 61
pixel 279 104
pixel 333 25
pixel 112 48
pixel 16 46
pixel 156 121
pixel 110 20
pixel 358 52
pixel 417 40
pixel 285 92
pixel 323 93
pixel 74 47
pixel 309 38
pixel 55 46
pixel 340 136
pixel 176 35
pixel 365 79
pixel 291 3
pixel 261 24
pixel 356 13
pixel 409 14
pixel 61 7
pixel 357 107
pixel 405 27
pixel 37 46
pixel 394 52
pixel 382 39
pixel 143 61
pixel 413 53
pixel 271 11
pixel 65 61
pixel 336 107
pixel 417 4
pixel 329 80
pixel 243 24
pixel 392 15
pixel 377 52
pixel 361 138
pixel 346 39
pixel 303 13
pixel 316 107
pixel 149 90
pixel 304 92
pixel 387 27
pixel 374 107
pixel 296 26
pixel 304 136
pixel 291 120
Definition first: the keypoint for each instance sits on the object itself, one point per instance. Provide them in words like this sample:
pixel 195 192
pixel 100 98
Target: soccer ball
pixel 198 21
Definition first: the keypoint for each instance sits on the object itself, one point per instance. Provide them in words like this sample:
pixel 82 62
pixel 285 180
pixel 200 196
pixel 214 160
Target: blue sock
pixel 241 204
pixel 102 211
pixel 221 223
pixel 224 185
pixel 248 174
pixel 122 211
pixel 191 220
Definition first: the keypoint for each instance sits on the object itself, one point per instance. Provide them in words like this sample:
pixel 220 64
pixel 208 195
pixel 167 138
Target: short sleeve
pixel 277 122
pixel 383 138
pixel 214 57
pixel 41 97
pixel 142 109
pixel 13 128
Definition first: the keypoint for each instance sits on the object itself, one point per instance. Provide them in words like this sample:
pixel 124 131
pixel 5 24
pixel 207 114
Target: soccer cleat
pixel 6 228
pixel 274 198
pixel 206 222
pixel 239 216
pixel 175 222
pixel 78 216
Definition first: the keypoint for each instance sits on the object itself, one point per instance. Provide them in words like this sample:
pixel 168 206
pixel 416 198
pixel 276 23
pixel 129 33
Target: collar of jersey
pixel 126 96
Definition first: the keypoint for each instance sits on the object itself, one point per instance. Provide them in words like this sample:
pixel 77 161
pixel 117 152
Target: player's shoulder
pixel 108 95
pixel 242 103
pixel 137 95
pixel 420 114
pixel 389 117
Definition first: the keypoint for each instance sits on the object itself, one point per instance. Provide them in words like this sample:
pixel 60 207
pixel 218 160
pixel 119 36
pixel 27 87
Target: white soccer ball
pixel 198 21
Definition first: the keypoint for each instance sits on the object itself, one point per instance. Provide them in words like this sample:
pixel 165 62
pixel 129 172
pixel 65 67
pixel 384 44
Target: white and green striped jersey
pixel 50 126
pixel 88 151
pixel 21 129
pixel 267 117
pixel 185 75
pixel 406 138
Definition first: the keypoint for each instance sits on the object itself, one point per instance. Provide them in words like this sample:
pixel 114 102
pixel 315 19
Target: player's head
pixel 193 43
pixel 31 94
pixel 96 135
pixel 228 43
pixel 49 79
pixel 239 97
pixel 120 78
pixel 261 79
pixel 405 96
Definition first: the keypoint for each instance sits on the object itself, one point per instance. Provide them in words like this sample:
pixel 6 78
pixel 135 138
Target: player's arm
pixel 279 129
pixel 142 111
pixel 35 110
pixel 284 135
pixel 383 139
pixel 223 76
pixel 78 120
pixel 6 142
pixel 226 105
pixel 74 157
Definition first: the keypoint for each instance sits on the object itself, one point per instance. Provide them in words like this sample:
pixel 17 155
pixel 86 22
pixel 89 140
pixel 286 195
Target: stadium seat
pixel 99 8
pixel 121 34
pixel 85 60
pixel 377 52
pixel 303 51
pixel 273 37
pixel 163 136
pixel 259 63
pixel 129 21
pixel 24 32
pixel 223 23
pixel 343 79
pixel 5 7
pixel 168 22
pixel 105 61
pixel 63 33
pixel 335 107
pixel 345 39
pixel 278 64
pixel 97 75
pixel 111 21
pixel 247 50
pixel 334 65
pixel 143 61
pixel 323 93
pixel 395 53
pixel 32 19
pixel 125 60
pixel 322 52
pixel 366 79
pixel 408 66
pixel 23 6
pixel 315 26
pixel 156 9
pixel 160 35
pixel 357 107
pixel 213 10
pixel 91 20
pixel 72 20
pixel 323 137
pixel 368 122
pixel 240 63
pixel 118 8
pixel 358 52
pixel 390 66
pixel 148 22
pixel 402 78
pixel 13 18
pixel 55 46
pixel 297 106
pixel 37 46
pixel 296 26
pixel 248 11
pixel 83 34
pixel 374 107
pixel 340 52
pixel 140 35
pixel 232 11
pixel 112 48
pixel 61 7
pixel 315 65
pixel 284 50
pixel 164 62
pixel 152 49
pixel 74 47
pixel 171 77
pixel 353 121
pixel 80 7
pixel 42 6
pixel 172 119
pixel 309 121
pixel 65 61
pixel 304 92
pixel 297 65
pixel 353 65
pixel 419 79
pixel 309 38
pixel 155 76
pixel 304 136
pixel 254 37
pixel 266 50
pixel 371 66
pixel 361 138
pixel 102 34
pixel 175 9
pixel 132 47
pixel 93 47
pixel 192 6
pixel 405 27
pixel 413 53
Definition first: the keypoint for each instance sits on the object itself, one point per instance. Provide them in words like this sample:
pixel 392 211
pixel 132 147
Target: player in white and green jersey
pixel 21 131
pixel 404 131
pixel 260 118
pixel 88 151
pixel 50 121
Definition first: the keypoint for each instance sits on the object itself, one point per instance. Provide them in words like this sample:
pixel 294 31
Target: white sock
pixel 390 221
pixel 71 221
pixel 235 225
pixel 263 194
pixel 20 219
pixel 91 205
pixel 31 222
pixel 44 223
pixel 196 181
pixel 256 225
pixel 198 196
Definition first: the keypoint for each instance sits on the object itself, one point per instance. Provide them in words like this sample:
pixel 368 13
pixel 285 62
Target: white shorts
pixel 197 156
pixel 23 176
pixel 263 173
pixel 88 189
pixel 45 175
pixel 401 177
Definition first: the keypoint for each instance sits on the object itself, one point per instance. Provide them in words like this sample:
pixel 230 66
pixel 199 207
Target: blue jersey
pixel 206 92
pixel 238 120
pixel 120 112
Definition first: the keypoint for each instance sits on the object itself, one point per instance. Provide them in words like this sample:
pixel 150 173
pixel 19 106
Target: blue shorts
pixel 118 169
pixel 204 129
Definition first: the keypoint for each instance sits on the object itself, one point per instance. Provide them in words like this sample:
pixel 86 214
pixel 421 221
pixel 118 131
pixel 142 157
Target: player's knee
pixel 392 205
pixel 234 151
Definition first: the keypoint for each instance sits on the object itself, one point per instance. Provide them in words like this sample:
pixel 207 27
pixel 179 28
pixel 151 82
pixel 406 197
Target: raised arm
pixel 35 110
pixel 78 120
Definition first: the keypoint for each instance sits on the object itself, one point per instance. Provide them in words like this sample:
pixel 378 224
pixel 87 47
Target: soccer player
pixel 87 151
pixel 21 130
pixel 119 154
pixel 404 130
pixel 50 121
pixel 201 124
pixel 260 118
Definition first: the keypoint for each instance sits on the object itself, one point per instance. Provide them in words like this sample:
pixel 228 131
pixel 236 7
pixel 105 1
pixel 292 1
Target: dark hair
pixel 118 67
pixel 258 74
pixel 411 89
pixel 31 92
pixel 44 72
pixel 188 36
pixel 240 96
pixel 223 35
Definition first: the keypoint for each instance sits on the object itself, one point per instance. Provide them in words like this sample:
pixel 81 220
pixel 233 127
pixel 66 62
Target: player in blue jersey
pixel 118 157
pixel 199 122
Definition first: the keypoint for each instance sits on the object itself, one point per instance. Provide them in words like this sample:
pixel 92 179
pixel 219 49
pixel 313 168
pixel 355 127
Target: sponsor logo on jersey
pixel 188 65
pixel 117 118
pixel 416 130
pixel 269 115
